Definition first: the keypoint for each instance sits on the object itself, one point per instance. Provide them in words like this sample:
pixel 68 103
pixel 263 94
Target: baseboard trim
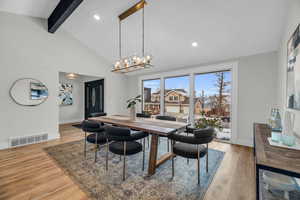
pixel 5 145
pixel 247 143
pixel 71 122
pixel 54 136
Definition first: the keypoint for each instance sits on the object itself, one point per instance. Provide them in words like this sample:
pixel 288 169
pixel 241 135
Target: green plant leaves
pixel 133 101
pixel 209 122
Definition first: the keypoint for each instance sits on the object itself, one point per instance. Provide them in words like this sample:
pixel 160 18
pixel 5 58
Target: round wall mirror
pixel 28 92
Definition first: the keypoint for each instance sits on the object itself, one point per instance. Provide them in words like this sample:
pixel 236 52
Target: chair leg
pixel 124 160
pixel 173 170
pixel 187 160
pixel 168 148
pixel 198 165
pixel 148 138
pixel 207 158
pixel 96 147
pixel 107 148
pixel 143 168
pixel 84 144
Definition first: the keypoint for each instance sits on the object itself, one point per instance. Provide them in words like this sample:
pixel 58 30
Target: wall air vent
pixel 25 140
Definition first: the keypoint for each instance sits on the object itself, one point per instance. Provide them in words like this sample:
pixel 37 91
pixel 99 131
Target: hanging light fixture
pixel 134 62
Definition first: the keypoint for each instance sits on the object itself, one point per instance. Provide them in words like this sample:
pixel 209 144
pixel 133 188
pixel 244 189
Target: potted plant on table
pixel 131 105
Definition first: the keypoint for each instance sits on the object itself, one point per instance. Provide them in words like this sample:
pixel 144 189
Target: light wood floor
pixel 28 173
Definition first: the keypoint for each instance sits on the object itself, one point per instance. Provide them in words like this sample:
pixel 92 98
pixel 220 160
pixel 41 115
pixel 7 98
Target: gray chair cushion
pixel 143 115
pixel 206 134
pixel 137 135
pixel 101 138
pixel 131 148
pixel 91 126
pixel 167 118
pixel 114 131
pixel 123 134
pixel 188 150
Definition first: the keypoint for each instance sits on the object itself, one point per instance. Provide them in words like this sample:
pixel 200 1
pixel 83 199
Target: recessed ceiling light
pixel 194 44
pixel 72 76
pixel 97 17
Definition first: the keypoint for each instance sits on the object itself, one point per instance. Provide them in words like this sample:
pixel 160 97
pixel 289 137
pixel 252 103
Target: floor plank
pixel 29 173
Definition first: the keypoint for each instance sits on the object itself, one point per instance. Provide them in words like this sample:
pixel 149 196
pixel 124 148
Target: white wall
pixel 292 21
pixel 75 112
pixel 28 50
pixel 256 90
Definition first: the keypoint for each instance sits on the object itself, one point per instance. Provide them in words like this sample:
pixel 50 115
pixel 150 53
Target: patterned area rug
pixel 108 185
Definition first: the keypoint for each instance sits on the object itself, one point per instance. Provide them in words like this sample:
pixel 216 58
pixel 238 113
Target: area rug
pixel 108 185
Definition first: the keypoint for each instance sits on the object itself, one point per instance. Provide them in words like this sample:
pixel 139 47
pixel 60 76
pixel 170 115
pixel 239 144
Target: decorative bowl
pixel 288 140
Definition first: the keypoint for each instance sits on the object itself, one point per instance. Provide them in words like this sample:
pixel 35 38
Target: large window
pixel 177 98
pixel 151 96
pixel 213 100
pixel 210 101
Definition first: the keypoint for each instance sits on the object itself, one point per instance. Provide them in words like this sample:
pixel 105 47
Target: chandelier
pixel 134 62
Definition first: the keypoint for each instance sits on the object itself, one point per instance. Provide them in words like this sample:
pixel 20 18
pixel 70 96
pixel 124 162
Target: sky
pixel 205 82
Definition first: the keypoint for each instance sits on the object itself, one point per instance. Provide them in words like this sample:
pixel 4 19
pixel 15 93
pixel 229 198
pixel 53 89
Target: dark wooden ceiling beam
pixel 62 11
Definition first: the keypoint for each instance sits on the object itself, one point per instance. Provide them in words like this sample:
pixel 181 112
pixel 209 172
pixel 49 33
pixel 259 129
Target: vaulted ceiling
pixel 222 29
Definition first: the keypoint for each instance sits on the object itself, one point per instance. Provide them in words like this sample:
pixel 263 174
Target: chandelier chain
pixel 120 40
pixel 143 36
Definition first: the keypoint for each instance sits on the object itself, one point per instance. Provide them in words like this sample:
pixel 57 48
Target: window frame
pixel 202 69
pixel 188 76
pixel 142 92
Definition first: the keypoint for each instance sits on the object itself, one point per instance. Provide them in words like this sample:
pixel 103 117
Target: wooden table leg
pixel 153 155
pixel 164 158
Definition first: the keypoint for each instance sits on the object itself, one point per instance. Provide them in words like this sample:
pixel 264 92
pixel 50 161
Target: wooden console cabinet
pixel 276 159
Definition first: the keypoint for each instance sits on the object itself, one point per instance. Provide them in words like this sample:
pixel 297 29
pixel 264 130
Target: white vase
pixel 289 120
pixel 132 113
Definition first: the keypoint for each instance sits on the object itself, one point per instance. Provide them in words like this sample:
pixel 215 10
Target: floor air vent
pixel 21 141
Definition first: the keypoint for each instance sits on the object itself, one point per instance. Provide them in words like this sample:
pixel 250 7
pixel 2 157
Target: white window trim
pixel 191 72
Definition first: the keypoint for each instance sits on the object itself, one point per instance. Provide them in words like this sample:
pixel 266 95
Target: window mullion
pixel 192 97
pixel 162 99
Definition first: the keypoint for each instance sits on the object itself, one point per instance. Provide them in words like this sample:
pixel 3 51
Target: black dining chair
pixel 166 118
pixel 143 115
pixel 124 143
pixel 94 133
pixel 192 146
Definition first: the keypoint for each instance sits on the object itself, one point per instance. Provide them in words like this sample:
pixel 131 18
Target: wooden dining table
pixel 154 127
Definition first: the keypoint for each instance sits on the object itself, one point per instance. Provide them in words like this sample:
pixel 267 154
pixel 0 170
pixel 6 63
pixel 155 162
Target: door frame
pixel 85 95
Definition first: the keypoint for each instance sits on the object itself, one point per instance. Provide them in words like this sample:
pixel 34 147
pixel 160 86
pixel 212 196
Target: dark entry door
pixel 94 97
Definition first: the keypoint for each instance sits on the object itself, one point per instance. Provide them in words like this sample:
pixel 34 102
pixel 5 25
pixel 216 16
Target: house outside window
pixel 151 96
pixel 176 101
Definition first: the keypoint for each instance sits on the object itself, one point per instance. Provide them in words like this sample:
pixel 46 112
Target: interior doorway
pixel 94 98
pixel 72 97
